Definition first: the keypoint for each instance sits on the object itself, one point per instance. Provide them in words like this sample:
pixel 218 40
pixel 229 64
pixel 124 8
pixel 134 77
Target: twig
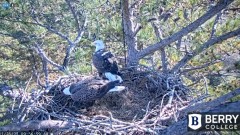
pixel 206 45
pixel 211 104
pixel 137 29
pixel 160 111
pixel 214 27
pixel 74 15
pixel 164 60
pixel 45 70
pixel 184 31
pixel 206 85
pixel 199 67
pixel 43 55
pixel 171 95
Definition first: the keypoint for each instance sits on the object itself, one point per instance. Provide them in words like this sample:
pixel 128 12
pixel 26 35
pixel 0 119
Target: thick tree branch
pixel 206 106
pixel 38 125
pixel 184 31
pixel 68 53
pixel 164 60
pixel 206 45
pixel 45 70
pixel 129 36
pixel 180 127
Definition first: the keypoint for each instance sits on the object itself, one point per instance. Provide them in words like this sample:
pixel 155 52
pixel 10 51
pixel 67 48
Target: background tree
pixel 196 40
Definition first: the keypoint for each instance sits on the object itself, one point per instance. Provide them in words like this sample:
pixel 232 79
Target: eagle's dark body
pixel 104 62
pixel 91 89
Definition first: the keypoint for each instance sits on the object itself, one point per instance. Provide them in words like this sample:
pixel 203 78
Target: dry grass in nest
pixel 148 104
pixel 145 89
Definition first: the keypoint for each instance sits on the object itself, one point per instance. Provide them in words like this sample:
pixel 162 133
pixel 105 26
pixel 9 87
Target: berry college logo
pixel 194 121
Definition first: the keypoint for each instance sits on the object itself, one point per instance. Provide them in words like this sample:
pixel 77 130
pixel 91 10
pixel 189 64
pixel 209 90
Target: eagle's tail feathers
pixel 109 76
pixel 66 91
pixel 112 77
pixel 117 88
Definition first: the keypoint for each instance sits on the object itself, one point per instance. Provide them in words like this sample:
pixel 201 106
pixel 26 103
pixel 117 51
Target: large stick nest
pixel 149 99
pixel 144 88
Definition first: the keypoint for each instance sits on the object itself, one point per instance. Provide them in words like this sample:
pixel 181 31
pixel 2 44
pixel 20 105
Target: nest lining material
pixel 144 89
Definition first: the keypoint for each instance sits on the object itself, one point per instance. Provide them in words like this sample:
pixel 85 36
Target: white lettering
pixel 235 118
pixel 221 118
pixel 207 127
pixel 213 126
pixel 221 127
pixel 228 118
pixel 208 119
pixel 214 118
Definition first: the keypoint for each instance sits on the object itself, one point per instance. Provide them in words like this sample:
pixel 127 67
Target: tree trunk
pixel 133 56
pixel 129 37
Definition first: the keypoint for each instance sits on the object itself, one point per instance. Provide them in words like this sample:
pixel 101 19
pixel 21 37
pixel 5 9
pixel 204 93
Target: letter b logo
pixel 194 121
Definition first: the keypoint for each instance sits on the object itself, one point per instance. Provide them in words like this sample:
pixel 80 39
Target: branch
pixel 39 24
pixel 164 60
pixel 206 45
pixel 129 37
pixel 34 69
pixel 158 34
pixel 79 36
pixel 157 31
pixel 43 55
pixel 214 27
pixel 49 28
pixel 73 44
pixel 68 53
pixel 184 31
pixel 81 32
pixel 206 106
pixel 45 70
pixel 74 15
pixel 5 34
pixel 53 31
pixel 180 127
pixel 137 29
pixel 199 67
pixel 38 125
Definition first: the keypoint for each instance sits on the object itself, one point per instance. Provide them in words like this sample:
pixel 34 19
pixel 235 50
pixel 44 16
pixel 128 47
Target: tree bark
pixel 205 46
pixel 38 125
pixel 130 35
pixel 180 127
pixel 130 40
pixel 184 31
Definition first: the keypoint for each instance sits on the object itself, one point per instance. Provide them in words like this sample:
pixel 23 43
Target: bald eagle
pixel 104 62
pixel 90 89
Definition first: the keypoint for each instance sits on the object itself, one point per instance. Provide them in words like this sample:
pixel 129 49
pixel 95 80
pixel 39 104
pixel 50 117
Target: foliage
pixel 29 26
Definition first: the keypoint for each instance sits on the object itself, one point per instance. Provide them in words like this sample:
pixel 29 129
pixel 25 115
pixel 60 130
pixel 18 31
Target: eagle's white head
pixel 99 45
